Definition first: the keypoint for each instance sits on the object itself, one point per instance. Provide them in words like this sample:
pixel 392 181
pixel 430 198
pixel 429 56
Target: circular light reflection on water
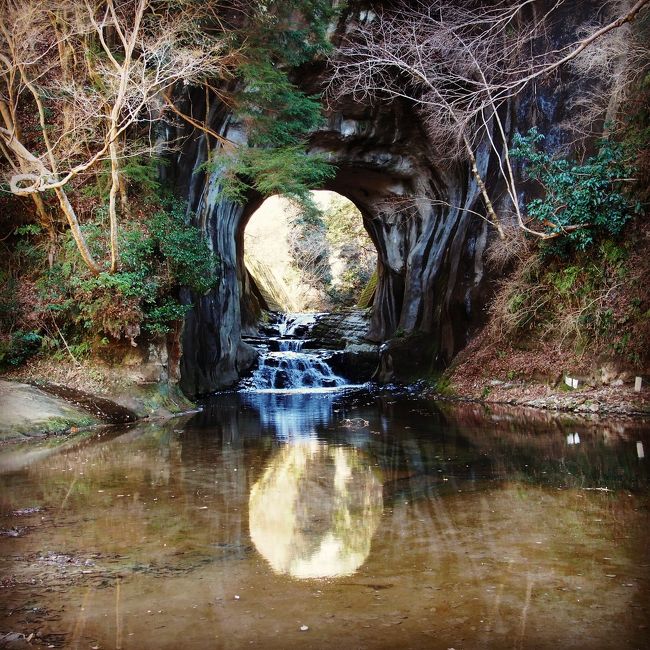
pixel 315 509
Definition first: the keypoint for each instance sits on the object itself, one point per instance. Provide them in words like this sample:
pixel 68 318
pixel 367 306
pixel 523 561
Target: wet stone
pixel 281 379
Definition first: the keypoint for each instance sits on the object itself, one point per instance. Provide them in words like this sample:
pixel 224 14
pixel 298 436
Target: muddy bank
pixel 102 408
pixel 589 400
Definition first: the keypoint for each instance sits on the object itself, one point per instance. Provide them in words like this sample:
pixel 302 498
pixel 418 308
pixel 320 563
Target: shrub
pixel 16 348
pixel 159 255
pixel 595 303
pixel 582 202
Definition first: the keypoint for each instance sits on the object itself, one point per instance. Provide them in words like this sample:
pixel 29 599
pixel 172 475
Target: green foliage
pixel 565 278
pixel 276 112
pixel 16 348
pixel 277 115
pixel 190 262
pixel 591 196
pixel 159 317
pixel 288 171
pixel 28 248
pixel 158 256
pixel 290 32
pixel 613 253
pixel 28 229
pixel 138 171
pixel 142 172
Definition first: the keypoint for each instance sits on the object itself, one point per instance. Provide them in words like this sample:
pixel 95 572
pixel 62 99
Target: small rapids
pixel 293 370
pixel 288 367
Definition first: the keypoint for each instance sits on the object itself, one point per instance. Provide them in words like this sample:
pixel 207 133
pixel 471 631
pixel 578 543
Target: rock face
pixel 355 357
pixel 430 268
pixel 213 354
pixel 419 211
pixel 339 330
pixel 28 411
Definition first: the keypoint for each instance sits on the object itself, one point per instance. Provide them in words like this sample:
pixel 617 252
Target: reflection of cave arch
pixel 315 509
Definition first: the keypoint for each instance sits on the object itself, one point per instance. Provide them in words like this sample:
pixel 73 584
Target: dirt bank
pixel 620 400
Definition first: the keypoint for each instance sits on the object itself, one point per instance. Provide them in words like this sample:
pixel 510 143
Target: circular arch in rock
pixel 297 265
pixel 251 298
pixel 420 215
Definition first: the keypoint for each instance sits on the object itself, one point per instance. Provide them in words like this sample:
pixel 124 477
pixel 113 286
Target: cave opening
pixel 308 272
pixel 314 258
pixel 428 280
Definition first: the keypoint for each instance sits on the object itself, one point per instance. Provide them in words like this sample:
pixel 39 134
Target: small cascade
pixel 292 329
pixel 295 325
pixel 285 366
pixel 290 346
pixel 284 370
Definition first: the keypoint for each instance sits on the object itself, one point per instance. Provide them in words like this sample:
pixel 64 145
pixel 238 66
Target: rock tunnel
pixel 418 211
pixel 423 211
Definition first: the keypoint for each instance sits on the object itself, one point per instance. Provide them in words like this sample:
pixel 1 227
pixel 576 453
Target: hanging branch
pixel 108 97
pixel 459 65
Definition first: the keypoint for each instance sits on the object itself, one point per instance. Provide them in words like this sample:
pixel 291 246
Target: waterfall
pixel 293 325
pixel 288 367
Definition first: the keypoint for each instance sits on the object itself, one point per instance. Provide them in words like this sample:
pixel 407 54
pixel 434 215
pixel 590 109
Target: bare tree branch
pixel 461 63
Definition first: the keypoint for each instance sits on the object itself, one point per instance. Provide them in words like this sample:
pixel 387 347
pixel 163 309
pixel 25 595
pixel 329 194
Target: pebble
pixel 304 628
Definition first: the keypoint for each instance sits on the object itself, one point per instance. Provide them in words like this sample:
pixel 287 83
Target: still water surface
pixel 344 520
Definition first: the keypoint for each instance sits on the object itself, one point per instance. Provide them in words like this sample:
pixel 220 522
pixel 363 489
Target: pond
pixel 349 519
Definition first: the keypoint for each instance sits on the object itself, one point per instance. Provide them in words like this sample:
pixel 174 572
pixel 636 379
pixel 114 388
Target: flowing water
pixel 349 519
pixel 286 366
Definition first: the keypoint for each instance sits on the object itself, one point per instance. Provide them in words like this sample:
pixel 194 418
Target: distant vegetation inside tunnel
pixel 316 261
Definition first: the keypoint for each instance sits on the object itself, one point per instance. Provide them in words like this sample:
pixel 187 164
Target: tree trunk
pixel 112 206
pixel 48 224
pixel 75 229
pixel 479 181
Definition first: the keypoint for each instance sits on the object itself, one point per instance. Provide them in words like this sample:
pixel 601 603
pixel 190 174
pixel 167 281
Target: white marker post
pixel 637 384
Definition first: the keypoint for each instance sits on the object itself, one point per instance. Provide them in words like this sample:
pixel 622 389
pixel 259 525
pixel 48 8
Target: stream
pixel 284 364
pixel 331 517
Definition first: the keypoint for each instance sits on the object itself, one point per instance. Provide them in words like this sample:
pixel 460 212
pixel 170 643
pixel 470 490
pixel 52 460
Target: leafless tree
pixel 461 63
pixel 95 72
